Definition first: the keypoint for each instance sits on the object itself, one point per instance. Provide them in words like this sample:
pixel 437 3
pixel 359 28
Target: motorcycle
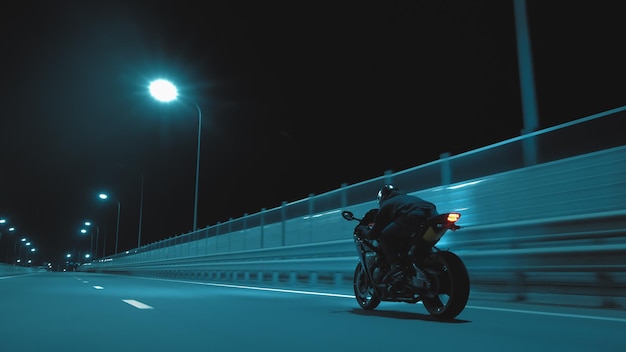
pixel 437 278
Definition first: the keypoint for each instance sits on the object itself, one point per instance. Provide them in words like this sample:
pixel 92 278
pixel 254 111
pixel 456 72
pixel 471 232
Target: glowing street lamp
pixel 94 251
pixel 84 231
pixel 164 91
pixel 104 196
pixel 27 244
pixel 10 229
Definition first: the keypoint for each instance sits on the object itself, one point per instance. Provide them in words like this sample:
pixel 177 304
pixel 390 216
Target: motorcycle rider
pixel 399 216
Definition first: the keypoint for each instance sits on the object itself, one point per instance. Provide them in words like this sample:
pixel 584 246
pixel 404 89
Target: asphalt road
pixel 71 311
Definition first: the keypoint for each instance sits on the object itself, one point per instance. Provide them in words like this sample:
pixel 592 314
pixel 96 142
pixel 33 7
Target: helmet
pixel 384 192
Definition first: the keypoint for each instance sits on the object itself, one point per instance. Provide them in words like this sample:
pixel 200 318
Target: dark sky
pixel 287 89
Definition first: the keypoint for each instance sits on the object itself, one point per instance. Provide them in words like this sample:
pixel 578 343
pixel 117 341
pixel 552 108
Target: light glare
pixel 163 90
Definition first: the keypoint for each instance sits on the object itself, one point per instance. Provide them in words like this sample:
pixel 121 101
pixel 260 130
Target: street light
pixel 164 91
pixel 26 243
pixel 84 231
pixel 104 196
pixel 10 229
pixel 95 252
pixel 140 204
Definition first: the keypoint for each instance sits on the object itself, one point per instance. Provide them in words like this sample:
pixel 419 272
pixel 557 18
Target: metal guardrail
pixel 509 267
pixel 8 270
pixel 555 227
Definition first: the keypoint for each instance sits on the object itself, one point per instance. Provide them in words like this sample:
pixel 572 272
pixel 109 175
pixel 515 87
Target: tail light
pixel 453 217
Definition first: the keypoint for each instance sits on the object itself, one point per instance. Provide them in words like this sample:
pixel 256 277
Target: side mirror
pixel 347 215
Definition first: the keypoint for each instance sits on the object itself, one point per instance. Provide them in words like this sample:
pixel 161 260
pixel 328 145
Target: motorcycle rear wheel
pixel 454 286
pixel 364 290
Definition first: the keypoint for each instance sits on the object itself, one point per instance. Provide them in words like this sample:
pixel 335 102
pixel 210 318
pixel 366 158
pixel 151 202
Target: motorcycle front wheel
pixel 364 290
pixel 454 285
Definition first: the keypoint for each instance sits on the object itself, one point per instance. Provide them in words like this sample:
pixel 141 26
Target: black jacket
pixel 400 206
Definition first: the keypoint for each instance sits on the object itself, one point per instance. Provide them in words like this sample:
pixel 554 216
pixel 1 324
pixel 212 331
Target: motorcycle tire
pixel 454 286
pixel 364 291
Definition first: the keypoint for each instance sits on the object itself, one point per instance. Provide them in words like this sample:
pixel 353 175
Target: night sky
pixel 296 98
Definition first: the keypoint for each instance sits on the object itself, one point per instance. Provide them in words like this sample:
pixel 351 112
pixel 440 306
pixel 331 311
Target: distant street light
pixel 94 251
pixel 164 91
pixel 84 231
pixel 140 171
pixel 23 239
pixel 10 229
pixel 104 196
pixel 26 243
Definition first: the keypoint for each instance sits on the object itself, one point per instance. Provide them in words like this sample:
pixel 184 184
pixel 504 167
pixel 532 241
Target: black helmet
pixel 384 192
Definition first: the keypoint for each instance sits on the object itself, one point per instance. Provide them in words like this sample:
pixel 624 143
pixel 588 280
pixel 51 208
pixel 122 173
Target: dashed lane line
pixel 137 304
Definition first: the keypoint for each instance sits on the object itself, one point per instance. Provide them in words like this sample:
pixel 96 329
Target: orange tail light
pixel 453 217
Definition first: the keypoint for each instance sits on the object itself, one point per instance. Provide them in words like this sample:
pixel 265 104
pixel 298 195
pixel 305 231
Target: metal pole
pixel 195 204
pixel 97 240
pixel 117 228
pixel 527 83
pixel 140 213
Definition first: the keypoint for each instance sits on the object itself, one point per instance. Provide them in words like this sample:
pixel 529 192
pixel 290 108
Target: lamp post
pixel 83 231
pixel 26 243
pixel 23 239
pixel 94 251
pixel 30 260
pixel 104 196
pixel 164 91
pixel 140 213
pixel 68 256
pixel 140 171
pixel 10 229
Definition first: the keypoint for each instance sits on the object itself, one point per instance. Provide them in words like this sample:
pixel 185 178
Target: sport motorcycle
pixel 438 278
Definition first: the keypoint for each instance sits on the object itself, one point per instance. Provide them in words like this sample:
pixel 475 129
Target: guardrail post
pixel 338 279
pixel 313 279
pixel 519 286
pixel 245 232
pixel 311 195
pixel 230 232
pixel 283 218
pixel 446 171
pixel 343 197
pixel 262 225
pixel 388 176
pixel 293 279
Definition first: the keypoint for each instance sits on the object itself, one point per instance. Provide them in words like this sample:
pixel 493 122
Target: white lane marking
pixel 14 276
pixel 137 304
pixel 85 282
pixel 580 316
pixel 273 289
pixel 98 287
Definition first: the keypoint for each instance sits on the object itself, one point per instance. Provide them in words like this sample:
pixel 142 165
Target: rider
pixel 399 216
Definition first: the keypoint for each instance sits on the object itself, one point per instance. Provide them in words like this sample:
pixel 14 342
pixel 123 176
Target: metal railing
pixel 586 135
pixel 557 225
